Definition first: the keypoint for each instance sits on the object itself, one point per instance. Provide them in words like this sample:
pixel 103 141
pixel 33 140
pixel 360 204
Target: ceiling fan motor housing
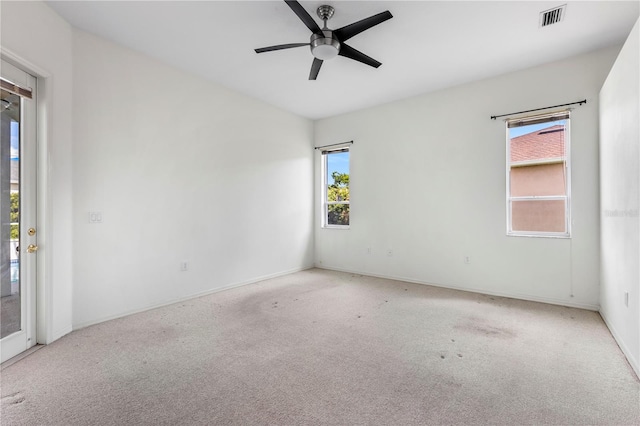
pixel 326 47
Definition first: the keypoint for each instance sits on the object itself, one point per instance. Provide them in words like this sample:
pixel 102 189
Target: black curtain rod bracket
pixel 584 101
pixel 334 144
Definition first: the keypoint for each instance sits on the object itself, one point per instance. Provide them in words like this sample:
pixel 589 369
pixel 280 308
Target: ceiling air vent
pixel 552 16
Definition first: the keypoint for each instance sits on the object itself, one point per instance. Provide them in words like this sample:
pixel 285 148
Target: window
pixel 335 188
pixel 538 176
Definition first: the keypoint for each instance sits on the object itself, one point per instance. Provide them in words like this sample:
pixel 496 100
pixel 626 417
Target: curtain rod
pixel 584 101
pixel 334 144
pixel 15 89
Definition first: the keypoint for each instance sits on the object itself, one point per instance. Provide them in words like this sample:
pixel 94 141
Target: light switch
pixel 95 217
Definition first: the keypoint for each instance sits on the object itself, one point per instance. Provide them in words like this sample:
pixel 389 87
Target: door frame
pixel 25 337
pixel 44 94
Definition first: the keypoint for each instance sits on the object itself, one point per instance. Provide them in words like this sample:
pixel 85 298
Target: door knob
pixel 32 248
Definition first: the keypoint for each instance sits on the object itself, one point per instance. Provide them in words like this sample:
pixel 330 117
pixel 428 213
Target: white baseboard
pixel 189 297
pixel 623 347
pixel 530 298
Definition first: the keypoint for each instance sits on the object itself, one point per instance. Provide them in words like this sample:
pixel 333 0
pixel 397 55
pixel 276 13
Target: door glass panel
pixel 10 307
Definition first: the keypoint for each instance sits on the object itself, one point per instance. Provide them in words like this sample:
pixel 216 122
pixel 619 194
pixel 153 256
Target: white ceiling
pixel 427 46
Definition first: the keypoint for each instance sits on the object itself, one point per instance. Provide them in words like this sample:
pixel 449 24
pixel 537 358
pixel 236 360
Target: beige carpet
pixel 321 347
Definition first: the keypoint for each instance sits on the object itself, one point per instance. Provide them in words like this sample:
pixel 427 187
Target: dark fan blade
pixel 304 16
pixel 345 33
pixel 315 68
pixel 280 47
pixel 351 53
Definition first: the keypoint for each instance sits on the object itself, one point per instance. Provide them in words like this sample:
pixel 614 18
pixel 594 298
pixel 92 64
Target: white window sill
pixel 557 236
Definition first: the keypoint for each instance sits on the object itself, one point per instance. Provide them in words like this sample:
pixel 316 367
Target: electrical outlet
pixel 389 252
pixel 368 250
pixel 184 266
pixel 467 259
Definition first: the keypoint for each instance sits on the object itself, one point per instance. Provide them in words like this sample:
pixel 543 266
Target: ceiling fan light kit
pixel 326 43
pixel 324 47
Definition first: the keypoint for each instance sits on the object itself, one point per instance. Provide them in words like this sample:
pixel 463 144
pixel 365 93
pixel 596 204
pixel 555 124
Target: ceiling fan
pixel 326 43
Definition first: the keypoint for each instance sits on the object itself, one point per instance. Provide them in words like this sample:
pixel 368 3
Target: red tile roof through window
pixel 539 145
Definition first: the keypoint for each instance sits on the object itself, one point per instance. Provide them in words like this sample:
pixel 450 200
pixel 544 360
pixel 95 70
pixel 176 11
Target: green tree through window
pixel 14 215
pixel 338 214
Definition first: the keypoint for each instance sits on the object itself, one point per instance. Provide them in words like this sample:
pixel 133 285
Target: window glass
pixel 538 176
pixel 336 188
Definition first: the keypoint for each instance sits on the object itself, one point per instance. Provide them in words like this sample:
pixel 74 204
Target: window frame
pixel 324 179
pixel 536 119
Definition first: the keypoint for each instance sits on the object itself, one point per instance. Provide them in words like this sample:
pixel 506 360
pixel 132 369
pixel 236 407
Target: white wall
pixel 180 169
pixel 620 198
pixel 39 41
pixel 428 182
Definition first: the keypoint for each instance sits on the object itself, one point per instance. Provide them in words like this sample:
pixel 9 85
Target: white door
pixel 18 233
